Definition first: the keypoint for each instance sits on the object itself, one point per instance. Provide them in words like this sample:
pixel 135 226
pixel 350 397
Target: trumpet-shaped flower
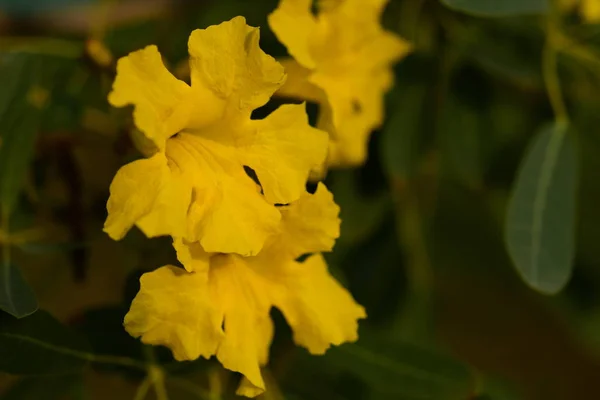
pixel 219 305
pixel 343 60
pixel 195 185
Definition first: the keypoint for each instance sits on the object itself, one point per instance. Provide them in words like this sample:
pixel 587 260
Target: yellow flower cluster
pixel 238 237
pixel 342 60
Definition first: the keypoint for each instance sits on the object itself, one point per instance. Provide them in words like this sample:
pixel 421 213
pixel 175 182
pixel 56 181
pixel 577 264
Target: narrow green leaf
pixel 461 142
pixel 402 370
pixel 27 81
pixel 498 8
pixel 387 369
pixel 16 296
pixel 540 223
pixel 19 122
pixel 40 345
pixel 400 137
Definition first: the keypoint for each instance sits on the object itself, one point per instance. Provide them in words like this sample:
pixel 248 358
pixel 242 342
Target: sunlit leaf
pixel 40 345
pixel 16 296
pixel 540 224
pixel 498 8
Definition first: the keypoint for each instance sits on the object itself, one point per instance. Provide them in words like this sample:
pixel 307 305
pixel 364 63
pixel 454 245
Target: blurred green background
pixel 426 235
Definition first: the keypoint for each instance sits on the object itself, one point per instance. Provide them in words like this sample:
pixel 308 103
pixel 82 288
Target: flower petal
pixel 191 255
pixel 227 213
pixel 319 310
pixel 297 85
pixel 242 297
pixel 293 24
pixel 590 10
pixel 308 225
pixel 158 97
pixel 239 220
pixel 227 59
pixel 139 192
pixel 283 151
pixel 173 309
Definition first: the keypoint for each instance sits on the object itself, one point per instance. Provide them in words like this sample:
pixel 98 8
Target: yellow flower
pixel 220 305
pixel 343 60
pixel 195 185
pixel 590 9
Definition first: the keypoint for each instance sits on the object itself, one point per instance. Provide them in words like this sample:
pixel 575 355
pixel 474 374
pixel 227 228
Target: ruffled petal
pixel 192 256
pixel 227 60
pixel 297 84
pixel 159 99
pixel 319 310
pixel 308 225
pixel 173 309
pixel 293 24
pixel 227 213
pixel 139 192
pixel 238 221
pixel 243 299
pixel 283 151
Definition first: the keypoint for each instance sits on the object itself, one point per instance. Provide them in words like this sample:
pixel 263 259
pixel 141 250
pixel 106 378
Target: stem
pixel 82 355
pixel 157 375
pixel 5 235
pixel 41 45
pixel 4 229
pixel 550 72
pixel 142 390
pixel 415 320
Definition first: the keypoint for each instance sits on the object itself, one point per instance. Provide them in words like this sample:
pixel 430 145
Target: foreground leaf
pixel 40 345
pixel 16 296
pixel 498 8
pixel 387 369
pixel 540 223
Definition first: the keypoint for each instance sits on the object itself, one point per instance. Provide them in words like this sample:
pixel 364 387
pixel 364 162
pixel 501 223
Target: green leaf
pixel 540 223
pixel 463 130
pixel 27 79
pixel 388 369
pixel 40 345
pixel 498 8
pixel 461 142
pixel 16 296
pixel 401 370
pixel 399 140
pixel 403 135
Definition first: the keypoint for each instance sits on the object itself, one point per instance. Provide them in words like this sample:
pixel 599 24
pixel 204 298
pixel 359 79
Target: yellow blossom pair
pixel 238 239
pixel 342 60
